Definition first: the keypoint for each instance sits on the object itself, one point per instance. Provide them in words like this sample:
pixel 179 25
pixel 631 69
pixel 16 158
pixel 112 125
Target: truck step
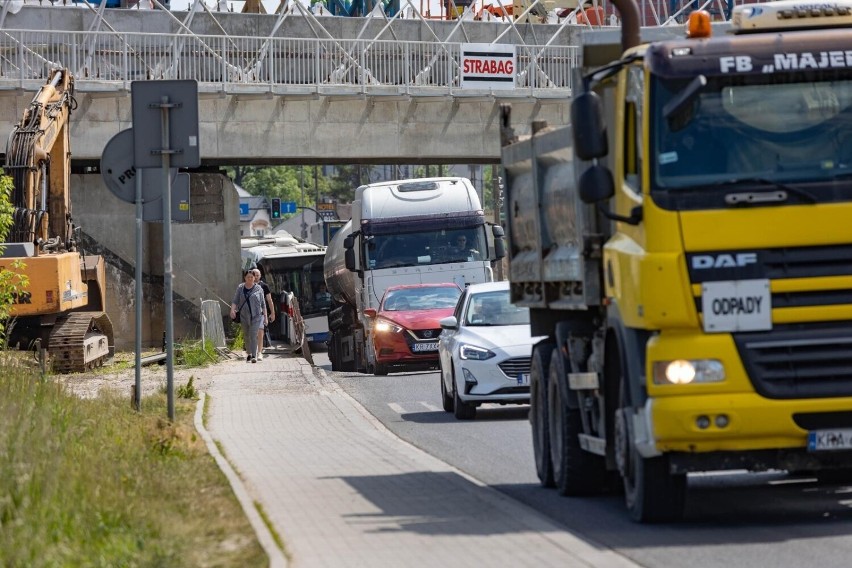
pixel 583 381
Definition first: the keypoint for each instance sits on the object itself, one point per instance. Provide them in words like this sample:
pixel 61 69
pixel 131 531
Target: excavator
pixel 61 309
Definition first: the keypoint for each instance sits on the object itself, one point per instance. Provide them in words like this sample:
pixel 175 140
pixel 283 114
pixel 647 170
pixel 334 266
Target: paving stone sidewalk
pixel 341 490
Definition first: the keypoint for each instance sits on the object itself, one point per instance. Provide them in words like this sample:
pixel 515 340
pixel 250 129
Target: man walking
pixel 270 306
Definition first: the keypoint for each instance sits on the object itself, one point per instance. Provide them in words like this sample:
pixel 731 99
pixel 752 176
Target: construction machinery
pixel 61 308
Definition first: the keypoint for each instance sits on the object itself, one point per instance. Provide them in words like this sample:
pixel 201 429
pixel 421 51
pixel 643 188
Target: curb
pixel 264 536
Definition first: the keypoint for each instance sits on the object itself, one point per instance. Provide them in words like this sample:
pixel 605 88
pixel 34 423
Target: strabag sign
pixel 488 66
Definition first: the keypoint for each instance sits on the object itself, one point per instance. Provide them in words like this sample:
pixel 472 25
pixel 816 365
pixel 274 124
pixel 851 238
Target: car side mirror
pixel 370 312
pixel 449 322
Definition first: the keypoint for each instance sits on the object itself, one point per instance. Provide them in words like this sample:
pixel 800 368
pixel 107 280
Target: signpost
pixel 165 135
pixel 488 66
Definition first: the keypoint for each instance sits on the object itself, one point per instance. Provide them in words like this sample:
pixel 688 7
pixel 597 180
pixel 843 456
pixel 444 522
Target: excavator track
pixel 80 341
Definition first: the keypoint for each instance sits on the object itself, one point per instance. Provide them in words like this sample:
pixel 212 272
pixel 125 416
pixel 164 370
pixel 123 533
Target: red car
pixel 405 327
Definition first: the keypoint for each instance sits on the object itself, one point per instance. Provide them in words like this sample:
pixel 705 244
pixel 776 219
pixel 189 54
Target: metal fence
pixel 278 65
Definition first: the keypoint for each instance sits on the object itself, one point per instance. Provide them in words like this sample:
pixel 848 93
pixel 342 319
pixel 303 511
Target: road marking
pixel 396 408
pixel 428 406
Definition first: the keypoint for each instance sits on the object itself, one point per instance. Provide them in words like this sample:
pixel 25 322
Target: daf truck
pixel 402 232
pixel 685 246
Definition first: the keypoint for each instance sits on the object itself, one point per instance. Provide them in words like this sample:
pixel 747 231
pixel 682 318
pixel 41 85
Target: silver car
pixel 484 351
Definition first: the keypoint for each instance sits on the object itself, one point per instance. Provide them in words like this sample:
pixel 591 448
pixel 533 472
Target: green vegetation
pixel 95 483
pixel 92 482
pixel 195 354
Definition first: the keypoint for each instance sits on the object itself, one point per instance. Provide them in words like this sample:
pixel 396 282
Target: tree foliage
pixel 12 280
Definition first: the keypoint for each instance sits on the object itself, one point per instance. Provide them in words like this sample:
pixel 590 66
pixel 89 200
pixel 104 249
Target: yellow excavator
pixel 62 307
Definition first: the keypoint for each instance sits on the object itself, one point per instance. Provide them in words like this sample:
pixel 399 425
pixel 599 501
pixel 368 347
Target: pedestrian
pixel 250 305
pixel 270 309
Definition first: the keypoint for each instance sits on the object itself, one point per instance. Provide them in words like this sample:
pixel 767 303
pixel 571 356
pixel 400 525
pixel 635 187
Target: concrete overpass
pixel 290 88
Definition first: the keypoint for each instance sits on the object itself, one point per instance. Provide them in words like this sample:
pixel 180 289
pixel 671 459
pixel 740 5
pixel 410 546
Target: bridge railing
pixel 242 64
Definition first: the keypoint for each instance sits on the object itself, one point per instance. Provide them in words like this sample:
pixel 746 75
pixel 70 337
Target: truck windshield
pixel 426 248
pixel 738 129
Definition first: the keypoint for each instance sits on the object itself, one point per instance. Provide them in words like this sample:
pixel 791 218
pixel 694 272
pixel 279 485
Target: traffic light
pixel 276 208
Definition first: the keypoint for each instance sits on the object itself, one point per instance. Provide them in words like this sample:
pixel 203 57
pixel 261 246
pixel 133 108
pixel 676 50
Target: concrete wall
pixel 205 255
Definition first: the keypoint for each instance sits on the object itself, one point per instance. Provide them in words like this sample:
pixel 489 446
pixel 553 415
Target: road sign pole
pixel 137 394
pixel 167 255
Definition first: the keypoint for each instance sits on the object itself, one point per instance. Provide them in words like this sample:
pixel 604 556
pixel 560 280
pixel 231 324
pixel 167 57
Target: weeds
pixel 188 390
pixel 92 482
pixel 195 354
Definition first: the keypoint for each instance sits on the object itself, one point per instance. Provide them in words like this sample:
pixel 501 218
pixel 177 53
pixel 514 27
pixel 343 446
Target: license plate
pixel 826 440
pixel 736 305
pixel 421 347
pixel 523 379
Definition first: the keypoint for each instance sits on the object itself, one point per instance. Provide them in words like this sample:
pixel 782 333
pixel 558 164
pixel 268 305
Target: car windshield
pixel 738 130
pixel 494 308
pixel 425 298
pixel 427 248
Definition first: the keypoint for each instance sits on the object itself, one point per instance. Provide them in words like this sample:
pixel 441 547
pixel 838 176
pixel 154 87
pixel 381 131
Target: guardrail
pixel 241 64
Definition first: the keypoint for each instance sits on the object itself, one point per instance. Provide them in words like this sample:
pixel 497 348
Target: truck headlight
pixel 475 353
pixel 686 371
pixel 385 326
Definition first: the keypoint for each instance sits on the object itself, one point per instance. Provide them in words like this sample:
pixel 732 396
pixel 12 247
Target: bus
pixel 293 270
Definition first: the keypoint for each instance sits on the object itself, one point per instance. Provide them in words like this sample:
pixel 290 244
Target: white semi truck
pixel 402 232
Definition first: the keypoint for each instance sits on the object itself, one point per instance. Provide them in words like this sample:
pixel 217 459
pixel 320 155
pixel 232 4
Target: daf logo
pixel 739 260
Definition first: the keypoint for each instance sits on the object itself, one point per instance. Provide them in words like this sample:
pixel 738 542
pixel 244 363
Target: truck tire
pixel 538 413
pixel 651 492
pixel 461 409
pixel 576 472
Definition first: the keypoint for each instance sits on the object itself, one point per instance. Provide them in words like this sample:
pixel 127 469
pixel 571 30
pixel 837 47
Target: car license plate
pixel 825 440
pixel 422 347
pixel 736 305
pixel 523 379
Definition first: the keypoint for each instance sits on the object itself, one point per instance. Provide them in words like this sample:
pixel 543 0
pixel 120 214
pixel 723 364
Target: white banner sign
pixel 488 66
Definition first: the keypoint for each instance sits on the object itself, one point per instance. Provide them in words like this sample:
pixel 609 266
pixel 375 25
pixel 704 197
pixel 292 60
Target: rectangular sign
pixel 736 305
pixel 244 209
pixel 178 99
pixel 288 207
pixel 488 66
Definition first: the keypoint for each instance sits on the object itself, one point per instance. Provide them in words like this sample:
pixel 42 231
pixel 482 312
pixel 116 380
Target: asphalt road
pixel 732 520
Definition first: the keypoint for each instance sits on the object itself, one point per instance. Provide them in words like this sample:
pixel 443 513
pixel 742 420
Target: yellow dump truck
pixel 685 246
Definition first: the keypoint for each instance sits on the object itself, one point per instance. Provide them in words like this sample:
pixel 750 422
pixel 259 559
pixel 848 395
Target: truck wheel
pixel 538 413
pixel 575 471
pixel 652 493
pixel 461 409
pixel 446 398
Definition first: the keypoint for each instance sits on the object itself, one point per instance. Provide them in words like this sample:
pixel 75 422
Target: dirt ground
pixel 119 375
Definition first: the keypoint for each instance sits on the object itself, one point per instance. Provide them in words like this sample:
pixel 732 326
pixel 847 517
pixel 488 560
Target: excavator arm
pixel 38 158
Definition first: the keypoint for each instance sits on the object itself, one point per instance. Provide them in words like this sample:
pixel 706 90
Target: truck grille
pixel 516 366
pixel 799 361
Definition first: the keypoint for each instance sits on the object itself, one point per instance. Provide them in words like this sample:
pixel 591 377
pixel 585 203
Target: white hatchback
pixel 484 351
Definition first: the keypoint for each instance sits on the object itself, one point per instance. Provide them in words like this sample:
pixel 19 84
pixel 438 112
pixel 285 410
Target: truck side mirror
pixel 499 242
pixel 349 242
pixel 596 184
pixel 349 258
pixel 588 127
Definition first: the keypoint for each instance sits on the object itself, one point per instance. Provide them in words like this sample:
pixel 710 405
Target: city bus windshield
pixel 739 129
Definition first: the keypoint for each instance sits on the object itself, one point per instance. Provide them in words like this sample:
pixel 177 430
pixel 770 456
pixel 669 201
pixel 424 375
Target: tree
pixel 12 282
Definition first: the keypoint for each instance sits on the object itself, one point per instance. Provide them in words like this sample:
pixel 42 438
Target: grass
pixel 91 482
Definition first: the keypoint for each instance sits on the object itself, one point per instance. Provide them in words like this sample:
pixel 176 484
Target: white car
pixel 484 351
